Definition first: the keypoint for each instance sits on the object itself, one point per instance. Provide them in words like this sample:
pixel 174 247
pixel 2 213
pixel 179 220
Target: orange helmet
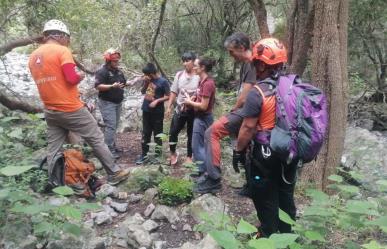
pixel 112 55
pixel 270 50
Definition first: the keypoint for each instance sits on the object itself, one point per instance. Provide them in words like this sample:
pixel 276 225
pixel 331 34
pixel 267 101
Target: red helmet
pixel 112 55
pixel 270 50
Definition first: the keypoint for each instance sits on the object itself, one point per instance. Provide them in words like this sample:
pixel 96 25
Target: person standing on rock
pixel 185 81
pixel 203 104
pixel 53 69
pixel 156 90
pixel 110 81
pixel 239 47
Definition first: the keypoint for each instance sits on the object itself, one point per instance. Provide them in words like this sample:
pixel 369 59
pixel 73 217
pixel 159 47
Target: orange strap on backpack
pixel 266 119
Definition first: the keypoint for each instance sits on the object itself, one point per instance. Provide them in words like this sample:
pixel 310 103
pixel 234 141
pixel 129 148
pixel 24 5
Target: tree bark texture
pixel 299 34
pixel 260 13
pixel 329 72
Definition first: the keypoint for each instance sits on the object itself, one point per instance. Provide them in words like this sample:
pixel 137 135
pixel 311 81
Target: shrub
pixel 148 178
pixel 174 191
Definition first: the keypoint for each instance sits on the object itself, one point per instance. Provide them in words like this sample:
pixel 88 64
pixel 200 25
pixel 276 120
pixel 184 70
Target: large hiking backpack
pixel 72 169
pixel 301 120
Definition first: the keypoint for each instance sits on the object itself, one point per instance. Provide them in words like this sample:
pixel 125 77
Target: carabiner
pixel 266 152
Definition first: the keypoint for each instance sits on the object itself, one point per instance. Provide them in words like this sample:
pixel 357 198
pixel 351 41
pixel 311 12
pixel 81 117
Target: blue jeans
pixel 201 123
pixel 111 113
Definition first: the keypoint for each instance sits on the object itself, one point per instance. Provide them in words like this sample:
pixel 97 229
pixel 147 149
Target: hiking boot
pixel 196 174
pixel 245 191
pixel 115 155
pixel 209 185
pixel 142 160
pixel 118 177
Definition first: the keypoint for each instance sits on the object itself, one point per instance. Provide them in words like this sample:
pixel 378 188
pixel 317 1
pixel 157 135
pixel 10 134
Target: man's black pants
pixel 152 122
pixel 270 192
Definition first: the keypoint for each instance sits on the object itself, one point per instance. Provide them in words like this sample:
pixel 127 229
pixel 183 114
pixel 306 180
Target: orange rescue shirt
pixel 46 68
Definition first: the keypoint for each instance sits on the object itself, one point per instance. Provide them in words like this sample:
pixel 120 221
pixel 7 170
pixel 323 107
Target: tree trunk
pixel 17 104
pixel 260 13
pixel 19 43
pixel 299 34
pixel 329 72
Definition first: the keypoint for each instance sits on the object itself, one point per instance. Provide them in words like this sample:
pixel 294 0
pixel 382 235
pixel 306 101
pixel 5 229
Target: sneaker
pixel 118 177
pixel 209 185
pixel 245 191
pixel 174 158
pixel 142 160
pixel 188 160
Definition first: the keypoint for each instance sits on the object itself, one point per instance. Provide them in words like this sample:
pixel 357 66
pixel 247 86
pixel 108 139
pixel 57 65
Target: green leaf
pixel 372 245
pixel 284 239
pixel 295 246
pixel 162 136
pixel 349 189
pixel 317 195
pixel 336 178
pixel 318 211
pixel 361 207
pixel 30 209
pixel 70 212
pixel 7 119
pixel 89 206
pixel 225 239
pixel 4 193
pixel 381 221
pixel 246 228
pixel 63 190
pixel 261 243
pixel 286 218
pixel 71 228
pixel 314 236
pixel 382 183
pixel 43 227
pixel 16 133
pixel 14 170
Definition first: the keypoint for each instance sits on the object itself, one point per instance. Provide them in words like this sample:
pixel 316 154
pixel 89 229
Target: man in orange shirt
pixel 53 69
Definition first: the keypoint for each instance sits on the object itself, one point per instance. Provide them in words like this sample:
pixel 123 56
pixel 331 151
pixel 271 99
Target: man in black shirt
pixel 110 81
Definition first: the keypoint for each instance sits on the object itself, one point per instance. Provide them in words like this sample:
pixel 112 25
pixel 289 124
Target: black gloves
pixel 238 157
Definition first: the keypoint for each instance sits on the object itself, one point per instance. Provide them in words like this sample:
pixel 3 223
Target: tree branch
pixel 161 17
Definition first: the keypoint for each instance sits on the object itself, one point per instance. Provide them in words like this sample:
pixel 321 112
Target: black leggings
pixel 270 192
pixel 177 124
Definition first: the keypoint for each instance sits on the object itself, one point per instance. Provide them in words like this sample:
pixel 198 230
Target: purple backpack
pixel 301 120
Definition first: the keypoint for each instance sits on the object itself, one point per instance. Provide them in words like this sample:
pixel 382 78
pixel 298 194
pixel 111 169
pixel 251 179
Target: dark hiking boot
pixel 118 177
pixel 245 191
pixel 196 174
pixel 208 185
pixel 115 155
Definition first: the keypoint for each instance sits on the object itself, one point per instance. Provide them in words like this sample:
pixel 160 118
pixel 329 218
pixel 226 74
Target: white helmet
pixel 56 25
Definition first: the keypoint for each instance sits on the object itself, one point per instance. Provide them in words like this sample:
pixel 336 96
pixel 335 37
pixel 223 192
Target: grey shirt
pixel 183 80
pixel 247 74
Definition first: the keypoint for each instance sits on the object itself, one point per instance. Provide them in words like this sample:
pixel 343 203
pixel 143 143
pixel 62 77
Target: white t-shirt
pixel 183 80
